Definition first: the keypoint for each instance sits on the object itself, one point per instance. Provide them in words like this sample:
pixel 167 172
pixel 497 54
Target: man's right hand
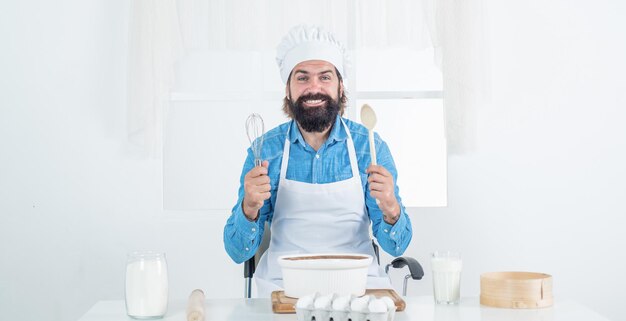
pixel 256 186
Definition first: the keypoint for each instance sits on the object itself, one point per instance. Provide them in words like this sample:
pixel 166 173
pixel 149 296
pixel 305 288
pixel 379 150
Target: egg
pixel 391 307
pixel 377 306
pixel 390 304
pixel 360 304
pixel 342 303
pixel 324 301
pixel 306 302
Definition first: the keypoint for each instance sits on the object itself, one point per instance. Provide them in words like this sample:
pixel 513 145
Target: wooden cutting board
pixel 285 304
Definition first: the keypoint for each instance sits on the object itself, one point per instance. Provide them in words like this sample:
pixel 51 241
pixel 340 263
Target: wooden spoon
pixel 368 118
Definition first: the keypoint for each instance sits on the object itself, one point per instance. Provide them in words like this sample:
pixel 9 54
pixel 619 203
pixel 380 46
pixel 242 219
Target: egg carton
pixel 344 308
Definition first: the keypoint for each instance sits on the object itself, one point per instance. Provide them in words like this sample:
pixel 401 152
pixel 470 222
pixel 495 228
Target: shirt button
pixel 393 233
pixel 247 249
pixel 317 156
pixel 386 231
pixel 253 229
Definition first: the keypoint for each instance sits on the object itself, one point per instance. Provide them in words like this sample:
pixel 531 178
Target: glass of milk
pixel 446 267
pixel 146 285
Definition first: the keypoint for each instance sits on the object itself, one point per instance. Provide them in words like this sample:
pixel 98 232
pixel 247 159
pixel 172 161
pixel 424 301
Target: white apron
pixel 316 218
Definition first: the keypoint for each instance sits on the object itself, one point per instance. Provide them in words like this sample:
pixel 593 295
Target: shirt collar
pixel 337 133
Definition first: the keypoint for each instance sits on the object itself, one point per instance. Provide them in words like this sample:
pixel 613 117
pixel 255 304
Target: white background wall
pixel 543 192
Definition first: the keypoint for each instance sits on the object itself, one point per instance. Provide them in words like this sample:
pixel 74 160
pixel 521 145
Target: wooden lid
pixel 518 290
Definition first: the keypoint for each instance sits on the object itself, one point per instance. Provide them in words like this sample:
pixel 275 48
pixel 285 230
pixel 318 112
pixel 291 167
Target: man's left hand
pixel 383 189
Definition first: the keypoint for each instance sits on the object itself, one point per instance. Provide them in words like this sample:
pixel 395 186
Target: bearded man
pixel 316 187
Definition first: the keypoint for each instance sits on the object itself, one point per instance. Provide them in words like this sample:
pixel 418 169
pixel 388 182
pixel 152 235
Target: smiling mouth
pixel 314 102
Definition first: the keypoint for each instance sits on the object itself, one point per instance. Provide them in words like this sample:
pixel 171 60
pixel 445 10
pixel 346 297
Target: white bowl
pixel 339 273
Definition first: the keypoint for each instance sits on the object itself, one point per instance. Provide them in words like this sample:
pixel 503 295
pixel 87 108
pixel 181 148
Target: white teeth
pixel 314 101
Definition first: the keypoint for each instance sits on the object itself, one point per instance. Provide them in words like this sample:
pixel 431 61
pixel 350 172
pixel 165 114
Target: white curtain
pixel 462 52
pixel 161 30
pixel 154 47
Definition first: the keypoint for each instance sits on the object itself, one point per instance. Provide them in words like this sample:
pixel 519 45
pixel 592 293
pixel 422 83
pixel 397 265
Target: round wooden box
pixel 517 290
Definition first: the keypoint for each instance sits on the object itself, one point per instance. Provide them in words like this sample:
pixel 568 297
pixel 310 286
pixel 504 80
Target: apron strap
pixel 351 151
pixel 285 163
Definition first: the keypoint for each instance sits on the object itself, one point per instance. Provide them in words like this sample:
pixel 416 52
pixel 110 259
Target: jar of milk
pixel 146 285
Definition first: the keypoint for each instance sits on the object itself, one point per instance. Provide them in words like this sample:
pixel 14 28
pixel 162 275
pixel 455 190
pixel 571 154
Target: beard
pixel 315 119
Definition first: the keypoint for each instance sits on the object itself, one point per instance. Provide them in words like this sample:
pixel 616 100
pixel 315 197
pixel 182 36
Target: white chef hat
pixel 304 43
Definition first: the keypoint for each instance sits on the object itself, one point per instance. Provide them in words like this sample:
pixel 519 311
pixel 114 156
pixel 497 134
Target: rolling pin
pixel 195 306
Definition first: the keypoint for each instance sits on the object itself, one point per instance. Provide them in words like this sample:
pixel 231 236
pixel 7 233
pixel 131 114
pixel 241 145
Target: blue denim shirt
pixel 242 236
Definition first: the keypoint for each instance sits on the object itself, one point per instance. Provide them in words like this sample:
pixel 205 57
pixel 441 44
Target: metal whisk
pixel 255 128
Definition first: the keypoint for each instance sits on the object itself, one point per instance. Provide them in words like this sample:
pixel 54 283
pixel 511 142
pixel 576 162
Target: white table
pixel 417 308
